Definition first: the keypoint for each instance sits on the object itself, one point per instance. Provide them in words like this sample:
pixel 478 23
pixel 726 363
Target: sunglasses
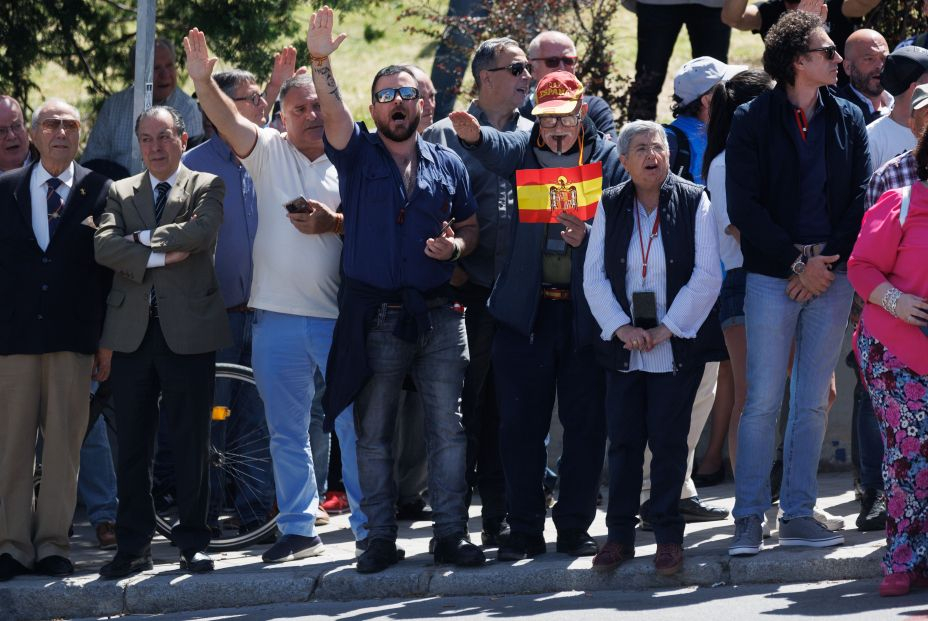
pixel 53 125
pixel 254 98
pixel 829 51
pixel 553 62
pixel 515 68
pixel 549 121
pixel 386 95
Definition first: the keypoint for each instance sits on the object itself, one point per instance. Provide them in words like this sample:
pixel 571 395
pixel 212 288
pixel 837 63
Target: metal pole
pixel 144 63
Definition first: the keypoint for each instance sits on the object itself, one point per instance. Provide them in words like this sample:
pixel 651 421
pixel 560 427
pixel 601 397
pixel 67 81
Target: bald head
pixel 551 51
pixel 865 53
pixel 427 93
pixel 14 142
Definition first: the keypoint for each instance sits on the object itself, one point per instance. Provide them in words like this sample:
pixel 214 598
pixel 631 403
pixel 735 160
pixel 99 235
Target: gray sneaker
pixel 806 531
pixel 748 539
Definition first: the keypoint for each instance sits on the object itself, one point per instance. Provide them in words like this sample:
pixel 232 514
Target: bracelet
pixel 890 299
pixel 318 59
pixel 456 253
pixel 135 237
pixel 339 224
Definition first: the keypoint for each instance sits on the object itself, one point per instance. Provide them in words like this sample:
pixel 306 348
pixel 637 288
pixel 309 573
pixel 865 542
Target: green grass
pixel 356 62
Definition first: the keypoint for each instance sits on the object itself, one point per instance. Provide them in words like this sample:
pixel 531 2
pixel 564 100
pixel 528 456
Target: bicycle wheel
pixel 242 509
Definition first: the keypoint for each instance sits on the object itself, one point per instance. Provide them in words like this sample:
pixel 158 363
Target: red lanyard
pixel 802 123
pixel 646 253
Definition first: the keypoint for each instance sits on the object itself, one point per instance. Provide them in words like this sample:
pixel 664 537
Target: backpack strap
pixel 904 209
pixel 680 163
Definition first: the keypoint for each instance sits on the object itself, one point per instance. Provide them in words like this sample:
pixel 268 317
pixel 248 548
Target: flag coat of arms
pixel 544 193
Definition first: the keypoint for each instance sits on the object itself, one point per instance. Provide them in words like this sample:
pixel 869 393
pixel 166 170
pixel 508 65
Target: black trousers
pixel 185 385
pixel 648 409
pixel 529 371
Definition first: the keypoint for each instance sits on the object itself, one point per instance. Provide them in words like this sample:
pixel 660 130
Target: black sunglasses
pixel 829 51
pixel 386 95
pixel 553 62
pixel 515 68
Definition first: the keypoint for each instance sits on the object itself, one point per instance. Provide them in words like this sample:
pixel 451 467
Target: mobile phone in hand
pixel 298 205
pixel 644 309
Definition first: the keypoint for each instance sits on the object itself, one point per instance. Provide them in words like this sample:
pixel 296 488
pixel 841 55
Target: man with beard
pixel 889 136
pixel 865 53
pixel 401 197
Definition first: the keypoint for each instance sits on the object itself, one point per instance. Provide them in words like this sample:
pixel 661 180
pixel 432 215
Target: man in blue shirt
pixel 400 198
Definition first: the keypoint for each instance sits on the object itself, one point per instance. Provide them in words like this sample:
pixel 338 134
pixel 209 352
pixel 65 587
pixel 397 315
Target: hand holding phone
pixel 644 309
pixel 298 205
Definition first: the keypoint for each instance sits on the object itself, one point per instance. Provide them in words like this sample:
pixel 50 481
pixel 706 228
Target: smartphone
pixel 298 205
pixel 644 309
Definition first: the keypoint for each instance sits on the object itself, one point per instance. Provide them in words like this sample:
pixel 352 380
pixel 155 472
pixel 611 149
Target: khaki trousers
pixel 702 406
pixel 51 393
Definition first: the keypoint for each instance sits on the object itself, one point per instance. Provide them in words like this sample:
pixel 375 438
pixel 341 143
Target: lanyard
pixel 646 253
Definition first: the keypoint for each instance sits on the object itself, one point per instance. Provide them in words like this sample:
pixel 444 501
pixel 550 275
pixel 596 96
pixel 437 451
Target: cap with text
pixel 559 92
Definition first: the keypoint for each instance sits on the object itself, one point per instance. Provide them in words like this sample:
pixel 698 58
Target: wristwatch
pixel 799 265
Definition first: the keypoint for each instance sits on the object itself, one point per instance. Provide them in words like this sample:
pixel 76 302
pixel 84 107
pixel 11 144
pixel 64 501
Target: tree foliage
pixel 897 20
pixel 93 38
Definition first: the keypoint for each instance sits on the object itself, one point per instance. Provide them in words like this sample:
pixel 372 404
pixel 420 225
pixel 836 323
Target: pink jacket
pixel 886 250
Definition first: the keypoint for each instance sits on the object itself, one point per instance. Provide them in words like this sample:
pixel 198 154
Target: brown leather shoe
pixel 106 535
pixel 612 555
pixel 669 558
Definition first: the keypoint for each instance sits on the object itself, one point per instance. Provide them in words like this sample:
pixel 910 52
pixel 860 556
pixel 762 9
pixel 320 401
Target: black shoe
pixel 710 479
pixel 10 568
pixel 360 547
pixel 694 510
pixel 776 478
pixel 413 511
pixel 872 511
pixel 124 565
pixel 57 566
pixel 458 551
pixel 380 554
pixel 494 534
pixel 576 543
pixel 521 546
pixel 293 548
pixel 196 562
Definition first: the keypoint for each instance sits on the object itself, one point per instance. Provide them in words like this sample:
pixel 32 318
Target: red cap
pixel 559 92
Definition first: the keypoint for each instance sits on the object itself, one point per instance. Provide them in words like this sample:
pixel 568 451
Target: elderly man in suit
pixel 165 321
pixel 51 313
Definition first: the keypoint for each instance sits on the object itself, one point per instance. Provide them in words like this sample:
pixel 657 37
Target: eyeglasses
pixel 387 95
pixel 644 150
pixel 515 68
pixel 254 98
pixel 829 51
pixel 53 125
pixel 553 62
pixel 549 121
pixel 15 128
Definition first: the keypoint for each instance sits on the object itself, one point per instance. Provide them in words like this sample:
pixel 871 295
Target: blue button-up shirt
pixel 386 230
pixel 234 263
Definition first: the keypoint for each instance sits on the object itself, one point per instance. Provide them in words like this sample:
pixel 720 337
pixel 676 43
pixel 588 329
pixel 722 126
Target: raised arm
pixel 740 16
pixel 239 132
pixel 284 69
pixel 336 118
pixel 858 8
pixel 500 152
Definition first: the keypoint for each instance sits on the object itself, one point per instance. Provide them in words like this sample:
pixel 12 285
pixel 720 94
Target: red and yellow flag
pixel 543 193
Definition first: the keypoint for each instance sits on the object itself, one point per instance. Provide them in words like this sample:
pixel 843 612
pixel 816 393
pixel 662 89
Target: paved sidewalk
pixel 241 579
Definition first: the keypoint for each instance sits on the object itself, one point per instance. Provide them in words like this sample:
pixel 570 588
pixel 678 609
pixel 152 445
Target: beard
pixel 862 82
pixel 400 135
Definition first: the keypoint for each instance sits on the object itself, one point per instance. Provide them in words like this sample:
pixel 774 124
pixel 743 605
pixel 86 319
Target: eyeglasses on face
pixel 15 128
pixel 553 62
pixel 386 95
pixel 515 68
pixel 53 125
pixel 829 51
pixel 548 121
pixel 254 98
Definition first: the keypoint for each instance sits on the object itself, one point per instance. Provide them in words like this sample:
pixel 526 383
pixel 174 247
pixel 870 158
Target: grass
pixel 358 60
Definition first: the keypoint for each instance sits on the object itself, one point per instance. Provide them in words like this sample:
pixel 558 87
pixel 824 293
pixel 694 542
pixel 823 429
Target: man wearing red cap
pixel 543 343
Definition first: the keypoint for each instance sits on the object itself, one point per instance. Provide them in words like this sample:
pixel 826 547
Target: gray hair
pixel 168 45
pixel 304 80
pixel 178 121
pixel 635 128
pixel 54 101
pixel 229 81
pixel 485 56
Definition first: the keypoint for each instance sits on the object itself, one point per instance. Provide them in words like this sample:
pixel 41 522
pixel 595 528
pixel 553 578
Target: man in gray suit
pixel 165 320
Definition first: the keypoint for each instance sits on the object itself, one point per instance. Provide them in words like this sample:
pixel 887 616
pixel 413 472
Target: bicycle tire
pixel 227 461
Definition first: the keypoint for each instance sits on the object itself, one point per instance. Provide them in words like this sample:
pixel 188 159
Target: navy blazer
pixel 53 300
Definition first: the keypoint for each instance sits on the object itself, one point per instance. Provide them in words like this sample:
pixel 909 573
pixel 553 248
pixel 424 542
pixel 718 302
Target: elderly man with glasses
pixel 14 141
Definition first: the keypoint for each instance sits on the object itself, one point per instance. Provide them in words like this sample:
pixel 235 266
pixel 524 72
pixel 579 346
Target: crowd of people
pixel 430 289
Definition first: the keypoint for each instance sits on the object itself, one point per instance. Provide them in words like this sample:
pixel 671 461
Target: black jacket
pixel 762 179
pixel 51 301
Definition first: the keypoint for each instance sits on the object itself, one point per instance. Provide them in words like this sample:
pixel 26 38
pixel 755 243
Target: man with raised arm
pixel 297 249
pixel 409 215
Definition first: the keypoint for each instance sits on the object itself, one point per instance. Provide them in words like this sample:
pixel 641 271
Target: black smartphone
pixel 298 205
pixel 644 310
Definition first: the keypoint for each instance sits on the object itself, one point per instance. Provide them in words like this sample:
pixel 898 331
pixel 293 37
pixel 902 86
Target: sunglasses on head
pixel 386 95
pixel 829 51
pixel 553 62
pixel 515 68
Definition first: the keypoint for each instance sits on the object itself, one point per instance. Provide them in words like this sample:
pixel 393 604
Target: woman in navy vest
pixel 651 276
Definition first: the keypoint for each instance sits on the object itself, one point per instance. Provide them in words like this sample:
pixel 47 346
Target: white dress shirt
pixel 156 259
pixel 38 190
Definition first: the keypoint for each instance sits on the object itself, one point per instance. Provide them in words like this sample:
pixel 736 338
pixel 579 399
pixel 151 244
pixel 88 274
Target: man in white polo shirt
pixel 296 256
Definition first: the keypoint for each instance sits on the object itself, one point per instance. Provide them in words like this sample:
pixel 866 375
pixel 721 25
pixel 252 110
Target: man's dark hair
pixel 303 80
pixel 691 109
pixel 229 81
pixel 486 54
pixel 390 70
pixel 786 40
pixel 921 156
pixel 177 120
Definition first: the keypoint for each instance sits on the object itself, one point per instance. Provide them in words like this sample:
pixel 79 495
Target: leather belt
pixel 553 293
pixel 241 308
pixel 810 250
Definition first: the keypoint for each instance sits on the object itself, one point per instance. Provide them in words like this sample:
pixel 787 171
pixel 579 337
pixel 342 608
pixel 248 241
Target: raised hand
pixel 199 64
pixel 815 7
pixel 465 126
pixel 284 66
pixel 319 38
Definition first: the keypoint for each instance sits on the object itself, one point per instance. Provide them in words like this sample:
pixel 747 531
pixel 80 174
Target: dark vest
pixel 679 201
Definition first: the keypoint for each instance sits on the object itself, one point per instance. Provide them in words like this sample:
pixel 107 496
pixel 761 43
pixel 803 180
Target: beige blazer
pixel 190 308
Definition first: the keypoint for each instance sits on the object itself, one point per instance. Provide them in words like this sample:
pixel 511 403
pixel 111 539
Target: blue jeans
pixel 436 362
pixel 287 351
pixel 319 440
pixel 96 484
pixel 772 320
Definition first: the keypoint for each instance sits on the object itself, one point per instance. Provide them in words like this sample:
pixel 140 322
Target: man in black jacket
pixel 50 321
pixel 798 166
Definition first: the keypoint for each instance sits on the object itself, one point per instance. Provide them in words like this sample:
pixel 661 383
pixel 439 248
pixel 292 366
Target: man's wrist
pixel 799 265
pixel 339 227
pixel 456 251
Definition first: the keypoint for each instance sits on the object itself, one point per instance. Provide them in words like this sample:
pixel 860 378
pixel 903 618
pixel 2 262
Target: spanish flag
pixel 543 193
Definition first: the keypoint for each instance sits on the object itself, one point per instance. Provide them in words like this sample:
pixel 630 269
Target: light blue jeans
pixel 772 321
pixel 286 352
pixel 96 484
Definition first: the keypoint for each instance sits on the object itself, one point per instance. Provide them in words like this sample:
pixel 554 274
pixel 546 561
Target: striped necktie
pixel 162 188
pixel 55 205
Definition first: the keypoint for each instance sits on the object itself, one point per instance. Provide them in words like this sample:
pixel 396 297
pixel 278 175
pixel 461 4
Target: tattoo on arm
pixel 326 73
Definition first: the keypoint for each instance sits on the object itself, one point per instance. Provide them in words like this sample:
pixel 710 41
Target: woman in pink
pixel 889 269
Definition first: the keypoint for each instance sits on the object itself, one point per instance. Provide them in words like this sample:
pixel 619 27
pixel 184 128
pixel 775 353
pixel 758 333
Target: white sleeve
pixel 156 259
pixel 596 286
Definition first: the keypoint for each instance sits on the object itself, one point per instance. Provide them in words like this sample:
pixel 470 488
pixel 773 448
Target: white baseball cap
pixel 699 75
